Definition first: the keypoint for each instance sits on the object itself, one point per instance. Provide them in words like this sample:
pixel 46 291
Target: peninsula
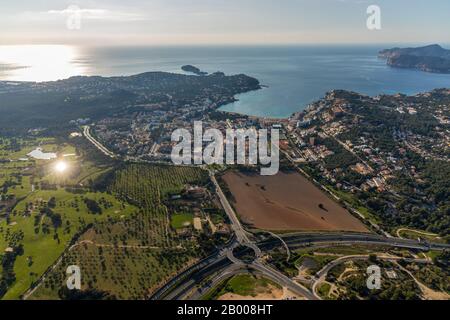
pixel 432 58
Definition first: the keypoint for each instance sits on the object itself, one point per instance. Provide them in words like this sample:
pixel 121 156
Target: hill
pixel 54 104
pixel 432 58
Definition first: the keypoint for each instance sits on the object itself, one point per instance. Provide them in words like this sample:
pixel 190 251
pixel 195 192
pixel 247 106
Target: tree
pixel 52 202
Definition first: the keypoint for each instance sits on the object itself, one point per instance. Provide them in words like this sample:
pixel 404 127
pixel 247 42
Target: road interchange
pixel 196 281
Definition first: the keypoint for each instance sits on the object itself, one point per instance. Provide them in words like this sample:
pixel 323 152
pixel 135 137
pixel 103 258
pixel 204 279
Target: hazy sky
pixel 223 21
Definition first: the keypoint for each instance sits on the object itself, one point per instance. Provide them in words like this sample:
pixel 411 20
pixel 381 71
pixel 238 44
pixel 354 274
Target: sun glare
pixel 39 62
pixel 61 166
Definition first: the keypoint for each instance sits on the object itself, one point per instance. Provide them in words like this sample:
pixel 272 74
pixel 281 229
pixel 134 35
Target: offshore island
pixel 194 70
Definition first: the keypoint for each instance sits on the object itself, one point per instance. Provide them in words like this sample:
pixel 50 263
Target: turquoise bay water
pixel 294 76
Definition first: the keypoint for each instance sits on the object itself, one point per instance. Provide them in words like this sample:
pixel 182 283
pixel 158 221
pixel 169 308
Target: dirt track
pixel 287 202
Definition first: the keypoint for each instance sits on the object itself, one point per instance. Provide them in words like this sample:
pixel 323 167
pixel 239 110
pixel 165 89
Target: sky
pixel 181 22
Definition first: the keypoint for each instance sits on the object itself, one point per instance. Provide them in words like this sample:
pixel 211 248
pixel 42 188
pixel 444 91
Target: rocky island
pixel 432 58
pixel 192 69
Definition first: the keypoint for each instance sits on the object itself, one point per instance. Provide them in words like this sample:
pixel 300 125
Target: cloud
pixel 355 1
pixel 85 13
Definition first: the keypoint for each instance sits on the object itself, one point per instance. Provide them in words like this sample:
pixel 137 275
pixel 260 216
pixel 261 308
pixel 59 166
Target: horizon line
pixel 286 44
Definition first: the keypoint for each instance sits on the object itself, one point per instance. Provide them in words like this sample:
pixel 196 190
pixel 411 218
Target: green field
pixel 181 220
pixel 246 285
pixel 319 261
pixel 324 290
pixel 42 242
pixel 44 216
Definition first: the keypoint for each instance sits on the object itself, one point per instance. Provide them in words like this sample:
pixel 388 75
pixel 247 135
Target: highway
pixel 178 284
pixel 300 239
pixel 218 262
pixel 209 272
pixel 255 267
pixel 242 238
pixel 184 288
pixel 283 280
pixel 238 230
pixel 225 274
pixel 182 285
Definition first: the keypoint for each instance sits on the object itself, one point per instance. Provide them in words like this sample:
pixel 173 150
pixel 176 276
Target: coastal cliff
pixel 431 58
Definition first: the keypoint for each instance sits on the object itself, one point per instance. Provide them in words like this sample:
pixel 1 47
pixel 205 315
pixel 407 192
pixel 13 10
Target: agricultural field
pixel 287 202
pixel 121 272
pixel 130 257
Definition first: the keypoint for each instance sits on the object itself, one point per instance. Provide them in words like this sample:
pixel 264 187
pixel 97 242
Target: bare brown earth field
pixel 287 202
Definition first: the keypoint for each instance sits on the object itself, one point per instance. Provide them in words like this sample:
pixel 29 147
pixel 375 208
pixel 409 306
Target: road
pixel 238 230
pixel 202 277
pixel 242 238
pixel 301 239
pixel 283 280
pixel 182 285
pixel 98 145
pixel 218 262
pixel 418 232
pixel 225 274
pixel 258 268
pixel 288 251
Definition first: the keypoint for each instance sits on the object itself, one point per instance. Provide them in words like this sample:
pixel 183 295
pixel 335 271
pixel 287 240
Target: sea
pixel 292 76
